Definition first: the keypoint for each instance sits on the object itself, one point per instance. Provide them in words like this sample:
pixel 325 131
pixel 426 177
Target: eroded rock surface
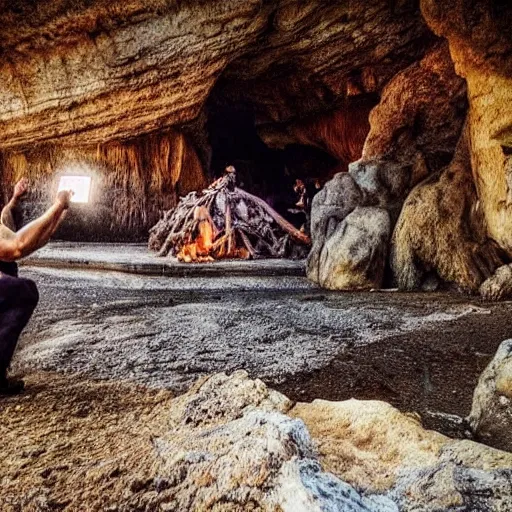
pixel 354 255
pixel 491 414
pixel 480 45
pixel 441 230
pixel 499 285
pixel 231 447
pixel 70 69
pixel 374 447
pixel 231 443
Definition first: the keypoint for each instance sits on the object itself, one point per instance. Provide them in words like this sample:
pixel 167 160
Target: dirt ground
pixel 75 444
pixel 148 339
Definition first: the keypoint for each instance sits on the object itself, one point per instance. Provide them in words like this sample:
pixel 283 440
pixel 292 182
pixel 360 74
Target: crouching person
pixel 19 296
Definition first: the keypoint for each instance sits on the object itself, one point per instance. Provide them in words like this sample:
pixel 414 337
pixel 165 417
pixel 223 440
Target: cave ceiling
pixel 90 71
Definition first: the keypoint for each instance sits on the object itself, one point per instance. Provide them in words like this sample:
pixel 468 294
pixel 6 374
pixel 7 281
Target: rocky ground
pixel 418 351
pixel 105 353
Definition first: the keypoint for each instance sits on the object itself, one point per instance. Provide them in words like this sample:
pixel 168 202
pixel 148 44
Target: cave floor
pixel 102 345
pixel 138 259
pixel 420 352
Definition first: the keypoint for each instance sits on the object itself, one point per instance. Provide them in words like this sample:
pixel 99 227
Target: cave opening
pixel 272 174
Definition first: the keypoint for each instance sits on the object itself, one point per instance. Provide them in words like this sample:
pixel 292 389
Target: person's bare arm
pixel 7 217
pixel 14 246
pixel 51 229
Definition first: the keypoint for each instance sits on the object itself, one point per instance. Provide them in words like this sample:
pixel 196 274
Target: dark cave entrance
pixel 269 173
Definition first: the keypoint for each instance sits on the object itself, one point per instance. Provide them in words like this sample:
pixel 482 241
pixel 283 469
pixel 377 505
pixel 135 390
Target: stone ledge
pixel 137 259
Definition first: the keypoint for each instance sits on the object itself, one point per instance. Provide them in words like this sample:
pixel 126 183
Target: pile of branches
pixel 224 221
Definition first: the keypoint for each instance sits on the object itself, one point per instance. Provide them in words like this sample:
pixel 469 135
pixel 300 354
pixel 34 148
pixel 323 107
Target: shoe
pixel 9 387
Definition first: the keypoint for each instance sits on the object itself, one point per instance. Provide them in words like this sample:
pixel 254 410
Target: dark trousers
pixel 18 299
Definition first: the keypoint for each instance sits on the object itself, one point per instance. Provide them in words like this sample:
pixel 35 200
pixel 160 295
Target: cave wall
pixel 89 71
pixel 80 75
pixel 481 45
pixel 132 183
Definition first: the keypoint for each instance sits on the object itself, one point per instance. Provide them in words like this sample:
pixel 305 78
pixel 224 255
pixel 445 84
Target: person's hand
pixel 64 198
pixel 20 188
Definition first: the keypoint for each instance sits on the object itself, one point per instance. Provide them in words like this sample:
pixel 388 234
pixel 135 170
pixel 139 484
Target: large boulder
pixel 499 285
pixel 491 413
pixel 441 229
pixel 377 449
pixel 354 255
pixel 330 206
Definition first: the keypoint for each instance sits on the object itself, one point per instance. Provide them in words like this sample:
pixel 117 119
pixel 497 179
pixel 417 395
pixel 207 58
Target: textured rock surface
pixel 131 183
pixel 374 447
pixel 499 285
pixel 94 71
pixel 414 131
pixel 480 44
pixel 418 120
pixel 368 442
pixel 491 414
pixel 230 447
pixel 441 229
pixel 354 255
pixel 232 444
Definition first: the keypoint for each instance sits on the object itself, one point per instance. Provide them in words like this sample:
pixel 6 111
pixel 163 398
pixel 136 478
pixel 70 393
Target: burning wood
pixel 224 221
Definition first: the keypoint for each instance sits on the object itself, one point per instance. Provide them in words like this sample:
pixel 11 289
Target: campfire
pixel 224 221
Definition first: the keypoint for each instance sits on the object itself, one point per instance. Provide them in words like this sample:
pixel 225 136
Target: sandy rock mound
pixel 231 447
pixel 374 447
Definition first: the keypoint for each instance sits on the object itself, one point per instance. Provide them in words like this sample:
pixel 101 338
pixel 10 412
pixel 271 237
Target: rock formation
pixel 234 444
pixel 454 225
pixel 231 447
pixel 123 205
pixel 440 229
pixel 408 139
pixel 491 414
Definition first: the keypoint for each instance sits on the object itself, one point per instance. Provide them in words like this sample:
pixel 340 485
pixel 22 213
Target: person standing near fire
pixel 19 296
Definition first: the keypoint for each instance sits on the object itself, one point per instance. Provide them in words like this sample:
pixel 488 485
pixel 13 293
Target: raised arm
pixel 7 217
pixel 31 237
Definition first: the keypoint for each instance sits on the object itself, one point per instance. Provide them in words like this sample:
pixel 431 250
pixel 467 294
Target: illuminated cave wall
pixel 131 183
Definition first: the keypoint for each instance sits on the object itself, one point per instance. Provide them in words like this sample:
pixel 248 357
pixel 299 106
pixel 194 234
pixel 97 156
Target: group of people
pixel 19 296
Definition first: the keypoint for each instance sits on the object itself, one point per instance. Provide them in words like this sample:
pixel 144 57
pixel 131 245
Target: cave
pixel 255 255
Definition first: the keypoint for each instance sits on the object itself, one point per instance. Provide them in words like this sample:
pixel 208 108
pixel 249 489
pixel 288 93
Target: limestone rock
pixel 132 182
pixel 480 44
pixel 354 255
pixel 414 131
pixel 341 133
pixel 330 206
pixel 95 71
pixel 419 118
pixel 491 413
pixel 230 447
pixel 499 285
pixel 384 183
pixel 468 477
pixel 374 447
pixel 441 229
pixel 368 442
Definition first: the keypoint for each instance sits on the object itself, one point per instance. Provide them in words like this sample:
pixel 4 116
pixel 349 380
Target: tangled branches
pixel 224 221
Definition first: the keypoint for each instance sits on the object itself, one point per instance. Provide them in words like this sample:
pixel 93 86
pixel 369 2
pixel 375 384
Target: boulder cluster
pixel 234 444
